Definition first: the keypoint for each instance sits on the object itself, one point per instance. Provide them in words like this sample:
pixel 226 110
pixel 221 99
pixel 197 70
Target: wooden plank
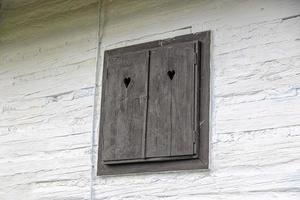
pixel 170 126
pixel 125 106
pixel 149 160
pixel 204 58
pixel 159 112
pixel 181 61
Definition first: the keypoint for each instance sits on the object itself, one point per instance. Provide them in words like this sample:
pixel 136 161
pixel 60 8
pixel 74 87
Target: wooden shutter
pixel 172 108
pixel 125 100
pixel 154 96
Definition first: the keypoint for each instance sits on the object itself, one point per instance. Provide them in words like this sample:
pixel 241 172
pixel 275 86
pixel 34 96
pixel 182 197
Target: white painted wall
pixel 47 69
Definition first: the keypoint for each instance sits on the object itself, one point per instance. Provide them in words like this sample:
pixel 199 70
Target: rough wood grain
pixel 124 106
pixel 170 127
pixel 164 57
pixel 181 59
pixel 46 96
pixel 159 110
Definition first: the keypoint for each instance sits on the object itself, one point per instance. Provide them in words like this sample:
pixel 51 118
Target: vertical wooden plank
pixel 125 106
pixel 144 138
pixel 181 60
pixel 197 97
pixel 205 98
pixel 170 129
pixel 159 106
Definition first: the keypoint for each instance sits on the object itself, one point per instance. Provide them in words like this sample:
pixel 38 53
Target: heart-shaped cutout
pixel 171 74
pixel 127 81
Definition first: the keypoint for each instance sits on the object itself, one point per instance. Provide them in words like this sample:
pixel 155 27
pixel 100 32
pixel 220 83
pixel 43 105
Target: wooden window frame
pixel 202 161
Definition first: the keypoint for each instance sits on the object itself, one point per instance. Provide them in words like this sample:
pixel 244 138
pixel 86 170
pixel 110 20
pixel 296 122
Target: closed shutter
pixel 172 108
pixel 155 106
pixel 125 103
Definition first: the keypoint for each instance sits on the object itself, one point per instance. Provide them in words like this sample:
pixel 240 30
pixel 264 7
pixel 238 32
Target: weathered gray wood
pixel 204 92
pixel 170 125
pixel 181 59
pixel 125 106
pixel 159 106
pixel 199 156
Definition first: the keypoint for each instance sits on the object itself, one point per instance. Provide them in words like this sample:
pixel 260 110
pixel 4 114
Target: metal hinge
pixel 194 148
pixel 195 135
pixel 196 46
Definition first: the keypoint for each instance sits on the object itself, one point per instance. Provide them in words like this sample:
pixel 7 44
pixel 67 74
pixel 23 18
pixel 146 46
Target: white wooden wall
pixel 47 75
